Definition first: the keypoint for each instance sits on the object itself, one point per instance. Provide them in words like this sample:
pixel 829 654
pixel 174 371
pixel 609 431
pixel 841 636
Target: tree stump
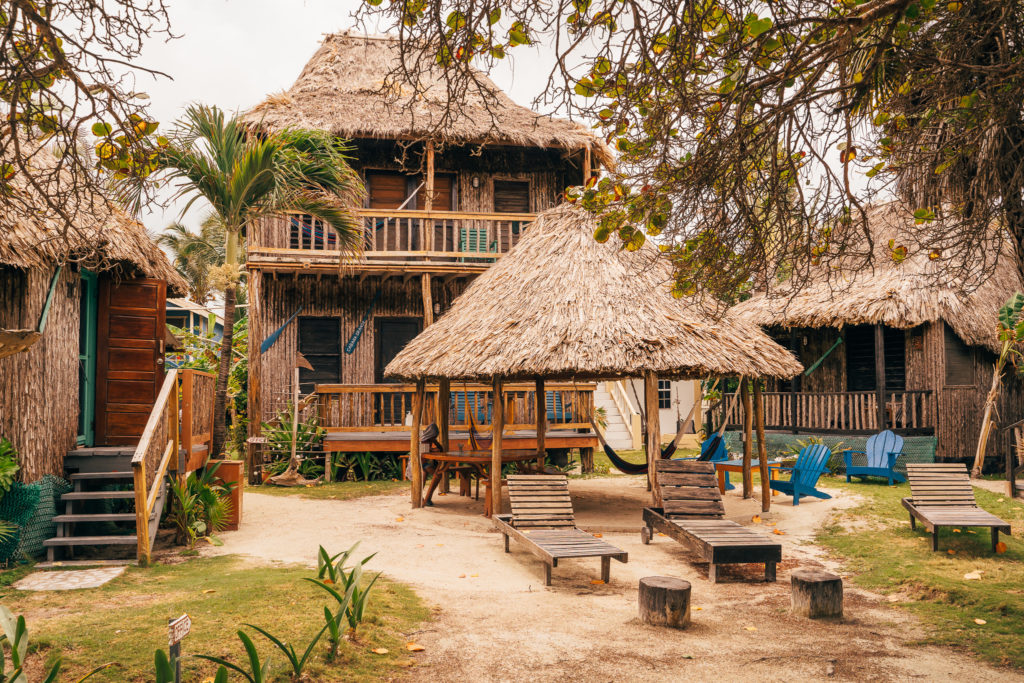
pixel 665 601
pixel 816 593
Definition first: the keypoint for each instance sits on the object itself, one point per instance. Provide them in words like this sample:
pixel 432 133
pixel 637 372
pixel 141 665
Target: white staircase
pixel 617 434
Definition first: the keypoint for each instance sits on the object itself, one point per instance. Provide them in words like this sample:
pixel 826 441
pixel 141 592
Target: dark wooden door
pixel 392 336
pixel 130 357
pixel 320 345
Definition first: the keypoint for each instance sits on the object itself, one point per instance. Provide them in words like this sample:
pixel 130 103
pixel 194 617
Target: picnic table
pixel 723 466
pixel 479 464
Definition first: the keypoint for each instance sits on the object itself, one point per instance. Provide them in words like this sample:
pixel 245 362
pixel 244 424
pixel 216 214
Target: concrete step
pixel 90 540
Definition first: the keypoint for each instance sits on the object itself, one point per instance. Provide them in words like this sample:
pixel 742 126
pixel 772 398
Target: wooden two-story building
pixel 443 202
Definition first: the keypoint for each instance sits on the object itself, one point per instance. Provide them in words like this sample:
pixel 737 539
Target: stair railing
pixel 155 456
pixel 630 415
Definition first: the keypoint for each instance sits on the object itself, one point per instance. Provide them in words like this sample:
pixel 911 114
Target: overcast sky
pixel 233 53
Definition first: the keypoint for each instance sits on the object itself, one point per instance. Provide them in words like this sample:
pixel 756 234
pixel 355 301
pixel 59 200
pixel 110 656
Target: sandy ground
pixel 496 621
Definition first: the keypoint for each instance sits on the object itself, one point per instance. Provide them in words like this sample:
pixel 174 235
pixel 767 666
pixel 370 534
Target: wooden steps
pixel 98 517
pixel 92 476
pixel 127 539
pixel 98 495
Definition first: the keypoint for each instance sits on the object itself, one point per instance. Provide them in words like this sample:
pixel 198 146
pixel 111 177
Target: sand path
pixel 496 621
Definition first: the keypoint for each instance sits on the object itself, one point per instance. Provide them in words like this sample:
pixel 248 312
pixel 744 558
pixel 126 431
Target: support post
pixel 444 391
pixel 748 421
pixel 254 406
pixel 414 444
pixel 175 427
pixel 294 462
pixel 497 427
pixel 653 432
pixel 141 513
pixel 880 375
pixel 428 202
pixel 540 401
pixel 586 164
pixel 794 383
pixel 428 301
pixel 762 448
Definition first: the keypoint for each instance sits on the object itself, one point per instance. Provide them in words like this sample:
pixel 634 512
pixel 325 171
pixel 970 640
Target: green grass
pixel 340 490
pixel 126 620
pixel 877 544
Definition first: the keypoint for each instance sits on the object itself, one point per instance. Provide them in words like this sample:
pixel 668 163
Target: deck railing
pixel 386 407
pixel 391 235
pixel 155 456
pixel 835 411
pixel 197 389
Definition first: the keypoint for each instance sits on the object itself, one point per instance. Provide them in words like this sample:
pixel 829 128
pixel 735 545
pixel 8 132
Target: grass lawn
pixel 126 620
pixel 877 544
pixel 336 490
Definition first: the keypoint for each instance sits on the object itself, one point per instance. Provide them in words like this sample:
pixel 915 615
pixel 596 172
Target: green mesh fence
pixel 915 448
pixel 17 507
pixel 40 525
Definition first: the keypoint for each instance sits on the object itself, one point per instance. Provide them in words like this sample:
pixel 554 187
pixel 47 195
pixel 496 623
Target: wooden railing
pixel 383 407
pixel 197 388
pixel 838 411
pixel 452 236
pixel 155 456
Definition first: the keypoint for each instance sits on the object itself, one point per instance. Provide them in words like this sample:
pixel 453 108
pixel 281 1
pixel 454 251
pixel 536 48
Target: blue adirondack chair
pixel 810 465
pixel 882 451
pixel 713 450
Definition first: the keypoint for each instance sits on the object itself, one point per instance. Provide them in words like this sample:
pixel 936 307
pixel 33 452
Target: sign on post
pixel 177 629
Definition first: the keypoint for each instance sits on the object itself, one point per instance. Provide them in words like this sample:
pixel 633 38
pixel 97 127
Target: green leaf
pixel 494 16
pixel 758 26
pixel 100 129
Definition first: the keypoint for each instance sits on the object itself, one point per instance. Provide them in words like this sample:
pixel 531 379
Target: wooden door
pixel 392 336
pixel 130 357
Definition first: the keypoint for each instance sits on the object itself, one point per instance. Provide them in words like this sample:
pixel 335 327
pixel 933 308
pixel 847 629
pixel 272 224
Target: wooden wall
pixel 39 388
pixel 274 300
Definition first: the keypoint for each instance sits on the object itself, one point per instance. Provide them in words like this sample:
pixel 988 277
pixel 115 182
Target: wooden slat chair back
pixel 811 464
pixel 540 501
pixel 880 446
pixel 942 484
pixel 689 489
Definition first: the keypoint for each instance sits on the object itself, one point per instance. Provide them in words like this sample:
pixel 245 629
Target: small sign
pixel 178 629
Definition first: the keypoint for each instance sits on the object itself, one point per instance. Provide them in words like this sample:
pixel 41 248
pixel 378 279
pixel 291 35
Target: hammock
pixel 475 442
pixel 636 468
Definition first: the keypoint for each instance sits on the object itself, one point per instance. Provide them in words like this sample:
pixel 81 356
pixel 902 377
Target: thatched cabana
pixel 905 333
pixel 561 305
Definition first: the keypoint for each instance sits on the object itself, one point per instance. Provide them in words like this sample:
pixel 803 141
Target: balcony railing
pixel 390 236
pixel 835 411
pixel 385 407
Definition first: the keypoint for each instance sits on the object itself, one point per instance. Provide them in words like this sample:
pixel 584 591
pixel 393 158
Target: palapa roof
pixel 341 89
pixel 901 295
pixel 562 305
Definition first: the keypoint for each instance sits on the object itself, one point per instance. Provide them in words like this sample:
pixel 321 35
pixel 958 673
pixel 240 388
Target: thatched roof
pixel 562 305
pixel 103 238
pixel 900 295
pixel 340 90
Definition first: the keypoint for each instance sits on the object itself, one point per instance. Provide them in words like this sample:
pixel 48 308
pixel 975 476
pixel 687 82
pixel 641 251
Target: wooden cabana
pixel 562 306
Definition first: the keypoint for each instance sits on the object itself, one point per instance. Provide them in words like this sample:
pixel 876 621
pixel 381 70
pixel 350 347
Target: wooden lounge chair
pixel 542 520
pixel 810 465
pixel 881 452
pixel 942 496
pixel 693 515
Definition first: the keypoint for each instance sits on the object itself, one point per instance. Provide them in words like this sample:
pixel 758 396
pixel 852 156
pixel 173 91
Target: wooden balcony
pixel 393 241
pixel 838 412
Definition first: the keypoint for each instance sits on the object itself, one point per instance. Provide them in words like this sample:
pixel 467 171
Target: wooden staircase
pixel 100 476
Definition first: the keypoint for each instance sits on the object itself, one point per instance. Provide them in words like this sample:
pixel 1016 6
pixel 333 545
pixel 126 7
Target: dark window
pixel 860 358
pixel 664 393
pixel 787 339
pixel 392 336
pixel 959 360
pixel 320 344
pixel 511 196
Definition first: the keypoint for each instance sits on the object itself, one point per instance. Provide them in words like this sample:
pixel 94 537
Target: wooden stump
pixel 665 601
pixel 816 593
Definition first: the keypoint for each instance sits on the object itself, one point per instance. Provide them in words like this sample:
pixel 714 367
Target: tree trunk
pixel 664 601
pixel 220 397
pixel 986 420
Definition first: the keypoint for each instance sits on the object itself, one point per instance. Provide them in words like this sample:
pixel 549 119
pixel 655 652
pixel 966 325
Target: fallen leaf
pixel 951 551
pixel 778 532
pixel 660 534
pixel 414 647
pixel 698 608
pixel 894 598
pixel 419 545
pixel 970 532
pixel 473 576
pixel 686 656
pixel 598 536
pixel 771 523
pixel 750 628
pixel 440 544
pixel 1000 500
pixel 210 590
pixel 406 662
pixel 980 622
pixel 597 582
pixel 380 651
pixel 756 519
pixel 972 576
pixel 399 519
pixel 1000 547
pixel 462 576
pixel 442 493
pixel 956 531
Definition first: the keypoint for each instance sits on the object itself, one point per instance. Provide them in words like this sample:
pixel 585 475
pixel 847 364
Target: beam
pixel 414 444
pixel 653 432
pixel 748 421
pixel 428 301
pixel 762 448
pixel 586 164
pixel 497 427
pixel 880 375
pixel 540 401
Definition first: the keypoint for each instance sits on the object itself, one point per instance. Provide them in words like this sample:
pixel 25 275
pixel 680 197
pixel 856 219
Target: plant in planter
pixel 201 505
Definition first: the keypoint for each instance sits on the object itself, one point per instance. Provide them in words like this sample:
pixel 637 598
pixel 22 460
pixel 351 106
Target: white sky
pixel 232 53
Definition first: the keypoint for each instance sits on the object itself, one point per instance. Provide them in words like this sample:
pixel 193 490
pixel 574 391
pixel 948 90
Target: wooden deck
pixel 398 441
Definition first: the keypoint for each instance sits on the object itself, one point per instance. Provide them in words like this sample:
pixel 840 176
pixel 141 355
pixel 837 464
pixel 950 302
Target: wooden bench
pixel 542 520
pixel 693 515
pixel 941 495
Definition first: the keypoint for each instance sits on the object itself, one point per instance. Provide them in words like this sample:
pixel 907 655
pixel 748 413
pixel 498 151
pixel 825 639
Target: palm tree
pixel 246 176
pixel 194 254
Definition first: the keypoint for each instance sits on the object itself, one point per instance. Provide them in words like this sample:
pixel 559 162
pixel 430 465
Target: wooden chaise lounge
pixel 941 495
pixel 542 519
pixel 693 515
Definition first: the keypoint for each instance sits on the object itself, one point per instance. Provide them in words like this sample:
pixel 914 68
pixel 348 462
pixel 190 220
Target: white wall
pixel 683 395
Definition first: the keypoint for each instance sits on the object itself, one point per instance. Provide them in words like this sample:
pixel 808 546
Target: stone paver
pixel 68 580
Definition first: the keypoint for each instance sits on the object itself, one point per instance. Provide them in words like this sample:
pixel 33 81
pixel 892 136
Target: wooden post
pixel 254 408
pixel 497 427
pixel 295 419
pixel 428 301
pixel 794 383
pixel 653 432
pixel 762 448
pixel 414 444
pixel 748 421
pixel 664 601
pixel 187 379
pixel 444 391
pixel 816 593
pixel 540 401
pixel 428 203
pixel 141 513
pixel 880 375
pixel 175 427
pixel 586 164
